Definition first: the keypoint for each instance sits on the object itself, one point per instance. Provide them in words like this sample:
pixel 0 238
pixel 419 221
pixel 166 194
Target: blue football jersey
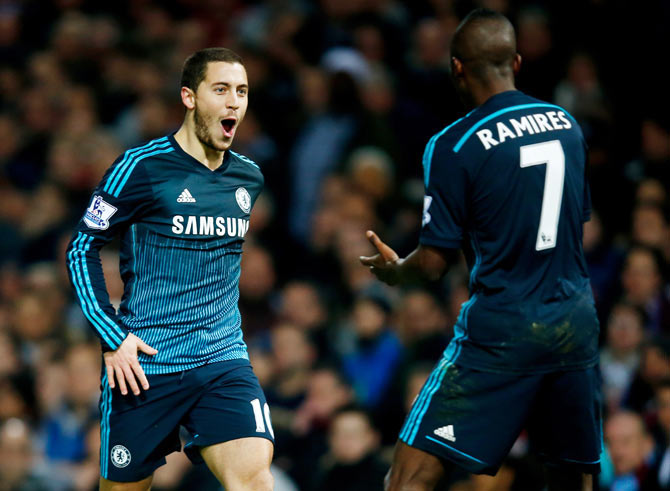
pixel 182 226
pixel 506 183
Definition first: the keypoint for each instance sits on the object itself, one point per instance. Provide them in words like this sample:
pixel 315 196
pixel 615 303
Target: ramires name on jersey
pixel 199 225
pixel 526 125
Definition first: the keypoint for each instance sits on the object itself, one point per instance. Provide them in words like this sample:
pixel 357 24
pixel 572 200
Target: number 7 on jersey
pixel 550 153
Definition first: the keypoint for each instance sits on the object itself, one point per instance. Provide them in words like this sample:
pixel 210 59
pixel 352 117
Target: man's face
pixel 220 104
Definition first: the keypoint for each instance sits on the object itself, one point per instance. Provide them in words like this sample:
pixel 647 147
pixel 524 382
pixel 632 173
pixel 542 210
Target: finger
pixel 387 253
pixel 369 260
pixel 145 348
pixel 139 374
pixel 121 380
pixel 130 378
pixel 110 375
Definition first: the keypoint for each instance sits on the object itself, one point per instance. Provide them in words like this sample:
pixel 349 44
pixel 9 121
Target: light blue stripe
pixel 430 148
pixel 130 154
pixel 131 165
pixel 425 403
pixel 469 133
pixel 113 326
pixel 411 418
pixel 105 408
pixel 478 261
pixel 246 159
pixel 450 356
pixel 455 450
pixel 89 306
pixel 88 311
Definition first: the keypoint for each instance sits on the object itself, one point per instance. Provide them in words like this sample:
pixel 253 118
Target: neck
pixel 192 145
pixel 482 92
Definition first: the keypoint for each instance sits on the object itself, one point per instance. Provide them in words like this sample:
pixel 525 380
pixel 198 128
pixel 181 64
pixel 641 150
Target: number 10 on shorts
pixel 258 415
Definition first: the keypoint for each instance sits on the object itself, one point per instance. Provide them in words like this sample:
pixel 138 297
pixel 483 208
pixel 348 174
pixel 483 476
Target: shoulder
pixel 440 146
pixel 132 159
pixel 246 163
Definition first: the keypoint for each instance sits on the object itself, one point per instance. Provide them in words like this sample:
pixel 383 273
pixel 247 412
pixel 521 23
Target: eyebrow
pixel 228 84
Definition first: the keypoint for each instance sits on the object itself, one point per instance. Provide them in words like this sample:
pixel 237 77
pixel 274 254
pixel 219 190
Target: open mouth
pixel 228 126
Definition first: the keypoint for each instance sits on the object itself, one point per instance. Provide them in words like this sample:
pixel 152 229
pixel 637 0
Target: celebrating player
pixel 506 184
pixel 174 354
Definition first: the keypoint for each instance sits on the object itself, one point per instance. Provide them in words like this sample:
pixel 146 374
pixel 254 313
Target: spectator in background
pixel 327 392
pixel 659 474
pixel 257 283
pixel 352 462
pixel 319 147
pixel 581 92
pixel 17 461
pixel 66 426
pixel 630 448
pixel 301 304
pixel 421 326
pixel 653 368
pixel 643 286
pixel 604 262
pixel 620 357
pixel 650 228
pixel 371 362
pixel 654 159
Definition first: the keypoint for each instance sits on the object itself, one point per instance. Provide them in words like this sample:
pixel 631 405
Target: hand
pixel 383 265
pixel 123 363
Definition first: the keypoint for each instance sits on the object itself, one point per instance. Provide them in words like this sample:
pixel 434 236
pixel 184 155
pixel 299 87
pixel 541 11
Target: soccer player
pixel 174 354
pixel 506 184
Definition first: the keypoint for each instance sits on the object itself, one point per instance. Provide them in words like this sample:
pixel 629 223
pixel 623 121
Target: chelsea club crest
pixel 243 199
pixel 120 456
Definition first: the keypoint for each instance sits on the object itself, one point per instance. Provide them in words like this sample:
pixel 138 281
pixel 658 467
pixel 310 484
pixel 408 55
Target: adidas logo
pixel 446 432
pixel 185 197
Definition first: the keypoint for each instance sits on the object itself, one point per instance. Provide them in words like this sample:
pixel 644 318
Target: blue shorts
pixel 216 403
pixel 472 418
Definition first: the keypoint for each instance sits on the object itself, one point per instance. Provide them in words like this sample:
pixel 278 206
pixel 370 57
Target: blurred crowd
pixel 344 96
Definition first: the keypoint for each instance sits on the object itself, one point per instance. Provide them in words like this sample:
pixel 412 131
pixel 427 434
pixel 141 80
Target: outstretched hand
pixel 383 264
pixel 123 364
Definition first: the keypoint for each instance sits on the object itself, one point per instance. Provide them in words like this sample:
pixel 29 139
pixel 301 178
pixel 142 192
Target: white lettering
pixel 232 226
pixel 561 116
pixel 486 137
pixel 206 225
pixel 504 132
pixel 521 126
pixel 220 226
pixel 241 230
pixel 177 222
pixel 554 120
pixel 191 226
pixel 543 122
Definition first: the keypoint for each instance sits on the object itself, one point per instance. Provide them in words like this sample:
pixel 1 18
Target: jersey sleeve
pixel 444 206
pixel 120 197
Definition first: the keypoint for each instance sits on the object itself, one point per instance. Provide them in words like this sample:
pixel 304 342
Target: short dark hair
pixel 195 66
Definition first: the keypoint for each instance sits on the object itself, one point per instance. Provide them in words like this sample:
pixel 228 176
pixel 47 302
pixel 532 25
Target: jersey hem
pixel 150 369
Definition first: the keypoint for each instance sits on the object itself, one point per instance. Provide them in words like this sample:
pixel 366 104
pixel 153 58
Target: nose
pixel 233 100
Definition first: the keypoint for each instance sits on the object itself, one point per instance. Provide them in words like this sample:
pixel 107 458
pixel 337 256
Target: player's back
pixel 510 177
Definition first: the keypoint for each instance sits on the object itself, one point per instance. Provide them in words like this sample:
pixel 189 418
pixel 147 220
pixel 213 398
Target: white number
pixel 258 415
pixel 427 200
pixel 550 153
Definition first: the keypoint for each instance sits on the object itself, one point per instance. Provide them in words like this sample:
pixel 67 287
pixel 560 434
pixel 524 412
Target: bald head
pixel 485 45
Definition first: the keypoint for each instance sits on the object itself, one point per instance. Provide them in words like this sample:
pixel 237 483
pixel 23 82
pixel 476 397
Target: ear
pixel 188 98
pixel 456 67
pixel 516 64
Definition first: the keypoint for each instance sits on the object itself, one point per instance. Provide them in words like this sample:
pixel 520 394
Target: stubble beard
pixel 203 134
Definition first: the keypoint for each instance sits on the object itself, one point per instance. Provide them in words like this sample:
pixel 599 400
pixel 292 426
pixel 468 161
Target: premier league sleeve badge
pixel 98 213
